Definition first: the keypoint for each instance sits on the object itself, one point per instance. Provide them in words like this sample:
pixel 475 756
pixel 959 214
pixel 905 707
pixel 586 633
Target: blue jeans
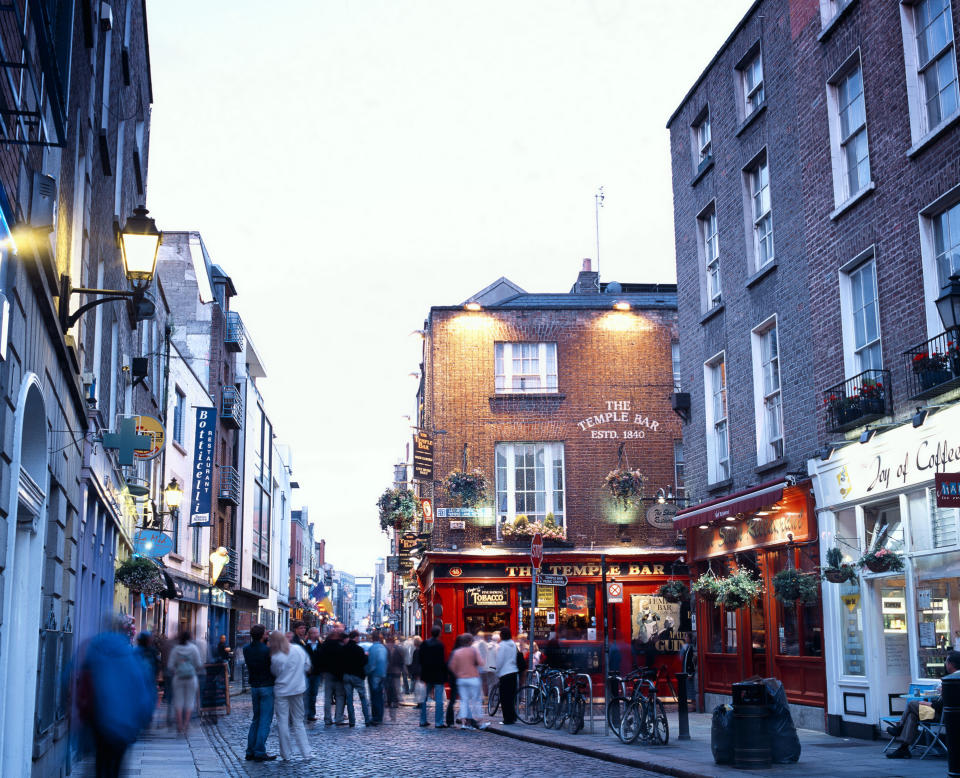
pixel 351 682
pixel 310 695
pixel 376 697
pixel 437 690
pixel 262 699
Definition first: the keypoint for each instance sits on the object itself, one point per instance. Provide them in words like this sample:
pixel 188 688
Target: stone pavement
pixel 821 754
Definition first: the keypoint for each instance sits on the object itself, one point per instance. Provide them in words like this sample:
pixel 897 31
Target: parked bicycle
pixel 645 718
pixel 532 698
pixel 566 704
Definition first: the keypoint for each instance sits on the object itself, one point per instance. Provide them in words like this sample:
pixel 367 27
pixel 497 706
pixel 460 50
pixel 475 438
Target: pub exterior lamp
pixel 948 303
pixel 173 496
pixel 139 244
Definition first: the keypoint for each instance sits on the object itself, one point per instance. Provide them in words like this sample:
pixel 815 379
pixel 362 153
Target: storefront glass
pixel 851 628
pixel 893 611
pixel 938 611
pixel 801 627
pixel 577 613
pixel 883 527
pixel 722 630
pixel 486 621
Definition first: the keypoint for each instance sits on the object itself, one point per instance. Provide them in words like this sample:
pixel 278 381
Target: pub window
pixel 530 482
pixel 577 612
pixel 801 626
pixel 721 629
pixel 525 367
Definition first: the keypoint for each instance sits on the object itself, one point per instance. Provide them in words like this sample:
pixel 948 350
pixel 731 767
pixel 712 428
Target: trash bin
pixel 721 734
pixel 950 716
pixel 751 736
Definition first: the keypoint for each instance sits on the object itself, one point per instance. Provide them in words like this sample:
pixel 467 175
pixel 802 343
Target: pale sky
pixel 351 163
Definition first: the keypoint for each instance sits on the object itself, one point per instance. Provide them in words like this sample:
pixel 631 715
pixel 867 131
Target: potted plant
pixel 881 560
pixel 837 571
pixel 843 409
pixel 739 590
pixel 625 486
pixel 468 487
pixel 140 574
pixel 674 591
pixel 793 586
pixel 932 368
pixel 398 508
pixel 871 398
pixel 708 586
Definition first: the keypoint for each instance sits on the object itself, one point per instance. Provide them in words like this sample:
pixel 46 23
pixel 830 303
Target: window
pixel 848 131
pixel 577 612
pixel 758 184
pixel 179 416
pixel 940 251
pixel 751 80
pixel 946 241
pixel 196 552
pixel 530 481
pixel 678 480
pixel 525 367
pixel 767 400
pixel 710 245
pixel 675 364
pixel 931 65
pixel 702 139
pixel 861 319
pixel 718 456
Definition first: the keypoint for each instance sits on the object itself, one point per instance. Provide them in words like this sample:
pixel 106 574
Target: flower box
pixel 932 377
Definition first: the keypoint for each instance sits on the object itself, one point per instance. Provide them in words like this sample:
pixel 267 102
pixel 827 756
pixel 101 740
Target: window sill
pixel 524 402
pixel 830 26
pixel 931 136
pixel 851 201
pixel 705 167
pixel 179 447
pixel 773 465
pixel 196 566
pixel 762 273
pixel 711 313
pixel 175 557
pixel 720 485
pixel 751 118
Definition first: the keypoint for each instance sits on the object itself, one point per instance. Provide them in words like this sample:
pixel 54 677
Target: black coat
pixel 331 657
pixel 354 659
pixel 257 657
pixel 433 664
pixel 316 658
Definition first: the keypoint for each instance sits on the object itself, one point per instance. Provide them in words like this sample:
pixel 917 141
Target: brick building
pixel 828 131
pixel 546 394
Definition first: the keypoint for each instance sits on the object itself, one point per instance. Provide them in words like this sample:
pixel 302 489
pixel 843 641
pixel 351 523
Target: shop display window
pixel 883 527
pixel 721 630
pixel 577 612
pixel 486 621
pixel 892 596
pixel 851 629
pixel 938 611
pixel 801 626
pixel 931 527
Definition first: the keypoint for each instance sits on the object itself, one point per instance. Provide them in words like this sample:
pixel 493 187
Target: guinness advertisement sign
pixel 482 596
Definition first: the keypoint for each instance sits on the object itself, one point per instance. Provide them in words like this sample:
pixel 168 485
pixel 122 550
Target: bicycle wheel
pixel 493 701
pixel 631 724
pixel 529 709
pixel 657 727
pixel 616 707
pixel 551 709
pixel 575 711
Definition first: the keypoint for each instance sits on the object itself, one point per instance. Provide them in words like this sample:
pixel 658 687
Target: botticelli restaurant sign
pixel 621 420
pixel 201 494
pixel 482 596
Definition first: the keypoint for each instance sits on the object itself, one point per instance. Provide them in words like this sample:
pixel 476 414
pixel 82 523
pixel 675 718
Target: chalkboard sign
pixel 214 689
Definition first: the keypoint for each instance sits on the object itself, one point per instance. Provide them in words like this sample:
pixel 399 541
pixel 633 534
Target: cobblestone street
pixel 401 748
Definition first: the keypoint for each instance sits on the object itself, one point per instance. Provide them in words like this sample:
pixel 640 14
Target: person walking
pixel 480 643
pixel 256 656
pixel 406 648
pixel 433 672
pixel 493 642
pixel 150 656
pixel 184 664
pixel 315 676
pixel 299 637
pixel 289 664
pixel 354 671
pixel 376 674
pixel 415 672
pixel 507 675
pixel 394 674
pixel 331 660
pixel 465 664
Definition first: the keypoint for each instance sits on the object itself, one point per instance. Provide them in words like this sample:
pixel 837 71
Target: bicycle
pixel 566 703
pixel 645 718
pixel 617 704
pixel 532 698
pixel 493 699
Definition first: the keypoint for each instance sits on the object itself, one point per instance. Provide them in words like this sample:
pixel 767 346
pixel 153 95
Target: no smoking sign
pixel 614 592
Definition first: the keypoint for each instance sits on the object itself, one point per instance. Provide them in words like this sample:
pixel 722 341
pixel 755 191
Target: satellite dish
pixel 614 288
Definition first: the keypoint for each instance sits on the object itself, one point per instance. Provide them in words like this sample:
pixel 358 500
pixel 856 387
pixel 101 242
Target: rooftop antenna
pixel 597 205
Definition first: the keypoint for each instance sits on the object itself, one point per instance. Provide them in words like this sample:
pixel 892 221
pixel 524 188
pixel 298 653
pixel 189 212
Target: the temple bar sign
pixel 948 490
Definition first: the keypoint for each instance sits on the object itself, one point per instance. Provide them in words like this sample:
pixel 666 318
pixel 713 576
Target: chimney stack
pixel 588 282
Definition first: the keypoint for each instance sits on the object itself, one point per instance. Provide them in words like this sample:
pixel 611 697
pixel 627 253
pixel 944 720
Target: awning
pixel 753 499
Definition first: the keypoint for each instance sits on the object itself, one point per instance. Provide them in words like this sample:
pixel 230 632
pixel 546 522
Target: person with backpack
pixel 184 665
pixel 508 656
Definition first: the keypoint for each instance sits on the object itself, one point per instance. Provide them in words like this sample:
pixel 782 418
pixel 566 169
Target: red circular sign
pixel 536 550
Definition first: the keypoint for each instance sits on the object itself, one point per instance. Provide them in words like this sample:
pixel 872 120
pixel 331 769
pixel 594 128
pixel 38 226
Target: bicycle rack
pixel 590 684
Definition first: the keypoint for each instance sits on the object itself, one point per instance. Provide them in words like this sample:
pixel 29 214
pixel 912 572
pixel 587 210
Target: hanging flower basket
pixel 397 507
pixel 468 487
pixel 792 587
pixel 882 560
pixel 837 571
pixel 141 575
pixel 739 590
pixel 708 586
pixel 625 486
pixel 674 591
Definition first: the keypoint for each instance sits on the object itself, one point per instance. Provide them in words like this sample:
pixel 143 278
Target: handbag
pixel 420 691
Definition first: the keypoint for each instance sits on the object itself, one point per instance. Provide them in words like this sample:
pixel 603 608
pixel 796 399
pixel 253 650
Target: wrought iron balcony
pixel 234 338
pixel 858 400
pixel 231 408
pixel 933 367
pixel 230 572
pixel 229 490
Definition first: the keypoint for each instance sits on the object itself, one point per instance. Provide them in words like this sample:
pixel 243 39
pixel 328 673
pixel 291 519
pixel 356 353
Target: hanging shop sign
pixel 422 457
pixel 631 422
pixel 948 490
pixel 201 492
pixel 661 515
pixel 756 533
pixel 404 564
pixel 483 596
pixel 126 441
pixel 393 564
pixel 409 541
pixel 426 508
pixel 153 429
pixel 152 543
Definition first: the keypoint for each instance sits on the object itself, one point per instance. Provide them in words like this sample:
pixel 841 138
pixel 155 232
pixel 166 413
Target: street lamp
pixel 948 304
pixel 139 244
pixel 173 496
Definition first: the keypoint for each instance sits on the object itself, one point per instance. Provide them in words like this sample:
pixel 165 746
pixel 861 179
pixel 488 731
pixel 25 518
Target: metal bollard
pixel 950 716
pixel 682 712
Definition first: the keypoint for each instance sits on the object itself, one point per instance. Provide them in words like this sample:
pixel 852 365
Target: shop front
pixel 887 629
pixel 186 613
pixel 487 591
pixel 763 530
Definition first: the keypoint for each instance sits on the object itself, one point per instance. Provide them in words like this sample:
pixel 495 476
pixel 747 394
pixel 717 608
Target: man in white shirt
pixel 507 673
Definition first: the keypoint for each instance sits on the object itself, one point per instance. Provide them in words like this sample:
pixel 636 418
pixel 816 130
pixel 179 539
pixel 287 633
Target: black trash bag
pixel 721 734
pixel 784 743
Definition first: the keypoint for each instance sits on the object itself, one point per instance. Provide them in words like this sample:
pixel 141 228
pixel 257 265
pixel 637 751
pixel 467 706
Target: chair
pixel 925 729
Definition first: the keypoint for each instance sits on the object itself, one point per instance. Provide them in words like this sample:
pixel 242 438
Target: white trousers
pixel 289 711
pixel 469 691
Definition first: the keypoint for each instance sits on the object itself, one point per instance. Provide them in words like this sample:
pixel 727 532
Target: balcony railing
pixel 229 490
pixel 933 367
pixel 231 408
pixel 234 338
pixel 230 573
pixel 858 400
